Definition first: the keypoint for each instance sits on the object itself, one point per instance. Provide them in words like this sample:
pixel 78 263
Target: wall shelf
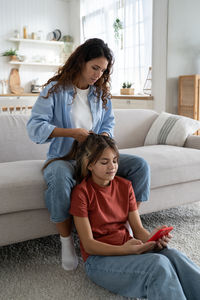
pixel 136 97
pixel 33 64
pixel 37 42
pixel 57 43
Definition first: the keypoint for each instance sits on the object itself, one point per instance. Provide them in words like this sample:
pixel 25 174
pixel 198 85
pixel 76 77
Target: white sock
pixel 69 257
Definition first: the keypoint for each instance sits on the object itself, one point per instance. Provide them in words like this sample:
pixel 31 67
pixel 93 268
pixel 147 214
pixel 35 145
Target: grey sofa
pixel 175 173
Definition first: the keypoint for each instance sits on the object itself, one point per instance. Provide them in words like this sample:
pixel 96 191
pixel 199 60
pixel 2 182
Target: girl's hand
pixel 134 246
pixel 161 243
pixel 80 134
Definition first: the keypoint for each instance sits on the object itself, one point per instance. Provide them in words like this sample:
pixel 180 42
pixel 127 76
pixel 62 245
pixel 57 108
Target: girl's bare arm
pixel 94 247
pixel 142 234
pixel 136 225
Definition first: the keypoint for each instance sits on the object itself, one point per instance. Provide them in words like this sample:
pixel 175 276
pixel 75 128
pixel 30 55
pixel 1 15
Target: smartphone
pixel 160 233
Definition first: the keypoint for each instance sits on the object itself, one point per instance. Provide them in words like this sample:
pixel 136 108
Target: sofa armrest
pixel 192 141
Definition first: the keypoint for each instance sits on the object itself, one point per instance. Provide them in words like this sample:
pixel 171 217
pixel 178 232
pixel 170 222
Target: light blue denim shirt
pixel 55 111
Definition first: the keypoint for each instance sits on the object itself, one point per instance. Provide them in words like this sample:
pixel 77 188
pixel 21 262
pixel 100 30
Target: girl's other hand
pixel 134 246
pixel 80 134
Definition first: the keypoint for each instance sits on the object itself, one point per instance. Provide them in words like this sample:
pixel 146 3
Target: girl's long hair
pixel 70 72
pixel 87 152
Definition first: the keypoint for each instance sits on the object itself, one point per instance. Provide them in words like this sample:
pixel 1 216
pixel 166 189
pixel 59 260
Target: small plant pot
pixel 14 58
pixel 127 91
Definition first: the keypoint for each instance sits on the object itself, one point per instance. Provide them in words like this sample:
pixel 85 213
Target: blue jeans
pixel 59 177
pixel 164 275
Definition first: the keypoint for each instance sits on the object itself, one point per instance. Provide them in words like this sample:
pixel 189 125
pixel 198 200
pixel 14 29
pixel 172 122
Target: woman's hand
pixel 134 246
pixel 80 134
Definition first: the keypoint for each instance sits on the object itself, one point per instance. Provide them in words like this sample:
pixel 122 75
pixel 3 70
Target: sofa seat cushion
pixel 22 186
pixel 169 164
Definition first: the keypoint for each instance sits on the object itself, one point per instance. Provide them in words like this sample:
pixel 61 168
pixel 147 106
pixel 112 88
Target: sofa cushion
pixel 169 164
pixel 132 126
pixel 14 141
pixel 21 185
pixel 171 129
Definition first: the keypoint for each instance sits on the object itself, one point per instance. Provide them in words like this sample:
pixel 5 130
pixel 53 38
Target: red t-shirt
pixel 107 209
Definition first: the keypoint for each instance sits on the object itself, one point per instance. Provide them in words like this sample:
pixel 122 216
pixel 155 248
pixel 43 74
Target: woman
pixel 74 102
pixel 101 204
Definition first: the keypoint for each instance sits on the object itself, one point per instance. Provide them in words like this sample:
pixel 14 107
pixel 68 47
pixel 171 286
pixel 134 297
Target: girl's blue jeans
pixel 59 177
pixel 164 275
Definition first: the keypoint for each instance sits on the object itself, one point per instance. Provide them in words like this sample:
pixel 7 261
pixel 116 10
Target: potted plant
pixel 12 53
pixel 126 89
pixel 117 25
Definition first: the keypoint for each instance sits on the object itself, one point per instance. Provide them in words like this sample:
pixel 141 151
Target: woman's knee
pixel 142 166
pixel 60 173
pixel 59 176
pixel 134 164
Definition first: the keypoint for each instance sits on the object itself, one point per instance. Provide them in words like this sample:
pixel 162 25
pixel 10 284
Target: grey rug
pixel 31 270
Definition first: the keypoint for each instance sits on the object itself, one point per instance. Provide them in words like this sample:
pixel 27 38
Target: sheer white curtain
pixel 133 49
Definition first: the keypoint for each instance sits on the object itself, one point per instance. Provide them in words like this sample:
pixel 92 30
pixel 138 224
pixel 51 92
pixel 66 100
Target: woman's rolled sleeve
pixel 39 131
pixel 39 126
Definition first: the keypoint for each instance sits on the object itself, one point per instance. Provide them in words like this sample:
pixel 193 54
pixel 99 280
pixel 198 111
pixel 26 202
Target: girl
pixel 73 102
pixel 101 204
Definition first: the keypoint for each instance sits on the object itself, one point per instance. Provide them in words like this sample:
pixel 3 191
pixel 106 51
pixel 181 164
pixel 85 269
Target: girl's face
pixel 92 71
pixel 104 170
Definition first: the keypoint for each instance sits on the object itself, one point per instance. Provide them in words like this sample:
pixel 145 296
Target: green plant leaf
pixel 10 52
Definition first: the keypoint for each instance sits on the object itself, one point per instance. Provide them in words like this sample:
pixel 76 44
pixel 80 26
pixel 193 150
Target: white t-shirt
pixel 81 113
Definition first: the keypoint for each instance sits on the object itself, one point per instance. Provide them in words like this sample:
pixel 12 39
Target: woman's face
pixel 104 170
pixel 92 71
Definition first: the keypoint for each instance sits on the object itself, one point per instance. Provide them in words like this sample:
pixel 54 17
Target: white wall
pixel 74 21
pixel 45 15
pixel 159 53
pixel 176 49
pixel 183 54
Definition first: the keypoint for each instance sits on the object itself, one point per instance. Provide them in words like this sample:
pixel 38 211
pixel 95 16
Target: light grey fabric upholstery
pixel 21 186
pixel 169 164
pixel 193 141
pixel 25 225
pixel 175 173
pixel 14 141
pixel 131 127
pixel 171 196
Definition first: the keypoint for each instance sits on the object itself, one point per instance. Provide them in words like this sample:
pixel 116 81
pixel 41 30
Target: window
pixel 132 47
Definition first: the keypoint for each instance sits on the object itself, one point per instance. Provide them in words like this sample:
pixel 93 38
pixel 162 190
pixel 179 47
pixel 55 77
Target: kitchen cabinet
pixel 189 96
pixel 11 103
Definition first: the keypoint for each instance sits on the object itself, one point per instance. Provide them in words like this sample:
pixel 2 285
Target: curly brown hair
pixel 69 73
